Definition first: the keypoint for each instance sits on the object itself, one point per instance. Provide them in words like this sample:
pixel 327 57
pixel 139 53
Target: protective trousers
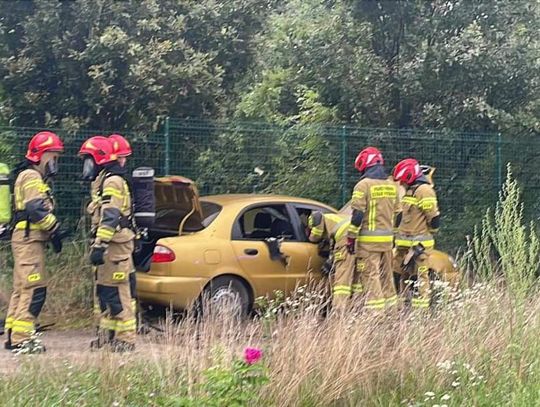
pixel 132 293
pixel 375 269
pixel 117 318
pixel 29 290
pixel 344 284
pixel 420 268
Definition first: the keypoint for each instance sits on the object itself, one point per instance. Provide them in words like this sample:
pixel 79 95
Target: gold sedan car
pixel 224 247
pixel 233 247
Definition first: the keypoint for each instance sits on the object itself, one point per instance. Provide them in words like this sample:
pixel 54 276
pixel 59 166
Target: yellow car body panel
pixel 202 255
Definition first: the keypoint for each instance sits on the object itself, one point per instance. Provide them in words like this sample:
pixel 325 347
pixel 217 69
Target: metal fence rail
pixel 314 161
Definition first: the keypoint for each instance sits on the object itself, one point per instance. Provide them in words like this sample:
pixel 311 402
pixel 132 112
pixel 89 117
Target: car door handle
pixel 251 252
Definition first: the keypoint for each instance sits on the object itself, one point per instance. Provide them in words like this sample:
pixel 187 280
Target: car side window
pixel 304 211
pixel 262 222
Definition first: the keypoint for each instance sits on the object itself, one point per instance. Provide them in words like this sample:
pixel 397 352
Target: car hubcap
pixel 227 301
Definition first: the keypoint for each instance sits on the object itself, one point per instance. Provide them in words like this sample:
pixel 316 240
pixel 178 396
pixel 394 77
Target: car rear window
pixel 210 211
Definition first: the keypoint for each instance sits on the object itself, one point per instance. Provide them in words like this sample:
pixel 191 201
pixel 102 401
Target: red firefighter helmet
pixel 407 171
pixel 42 142
pixel 121 146
pixel 100 149
pixel 368 157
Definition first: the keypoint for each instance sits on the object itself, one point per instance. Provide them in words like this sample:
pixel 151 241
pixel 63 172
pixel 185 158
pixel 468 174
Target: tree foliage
pixel 122 64
pixel 467 65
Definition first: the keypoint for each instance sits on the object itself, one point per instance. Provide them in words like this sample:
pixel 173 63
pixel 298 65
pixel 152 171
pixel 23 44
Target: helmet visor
pixel 51 168
pixel 89 172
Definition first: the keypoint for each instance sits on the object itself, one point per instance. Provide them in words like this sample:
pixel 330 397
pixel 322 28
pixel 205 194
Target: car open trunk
pixel 178 210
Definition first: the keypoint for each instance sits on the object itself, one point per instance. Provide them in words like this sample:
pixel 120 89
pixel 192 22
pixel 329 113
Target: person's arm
pixel 427 202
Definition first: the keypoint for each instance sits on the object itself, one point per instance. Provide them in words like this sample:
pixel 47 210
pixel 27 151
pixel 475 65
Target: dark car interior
pixel 264 222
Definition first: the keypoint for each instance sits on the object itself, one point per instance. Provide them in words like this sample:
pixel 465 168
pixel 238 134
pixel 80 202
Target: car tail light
pixel 162 254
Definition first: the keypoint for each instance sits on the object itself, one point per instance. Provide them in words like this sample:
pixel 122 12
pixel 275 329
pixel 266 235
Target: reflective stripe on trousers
pixel 8 324
pixel 342 290
pixel 420 302
pixel 23 326
pixel 375 304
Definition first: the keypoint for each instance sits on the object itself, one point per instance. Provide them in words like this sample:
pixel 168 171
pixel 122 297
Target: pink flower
pixel 252 355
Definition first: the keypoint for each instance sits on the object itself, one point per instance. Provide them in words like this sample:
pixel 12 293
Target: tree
pixel 122 64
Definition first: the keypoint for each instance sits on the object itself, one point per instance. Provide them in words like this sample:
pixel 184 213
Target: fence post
pixel 343 165
pixel 499 161
pixel 167 137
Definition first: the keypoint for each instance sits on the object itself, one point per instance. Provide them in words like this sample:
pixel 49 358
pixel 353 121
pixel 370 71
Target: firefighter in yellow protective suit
pixel 334 228
pixel 420 221
pixel 112 246
pixel 34 225
pixel 375 213
pixel 122 149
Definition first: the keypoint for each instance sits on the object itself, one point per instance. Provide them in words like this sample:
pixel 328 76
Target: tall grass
pixel 480 349
pixel 466 353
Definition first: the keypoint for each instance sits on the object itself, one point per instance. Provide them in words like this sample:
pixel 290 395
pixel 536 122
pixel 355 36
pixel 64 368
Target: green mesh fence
pixel 314 161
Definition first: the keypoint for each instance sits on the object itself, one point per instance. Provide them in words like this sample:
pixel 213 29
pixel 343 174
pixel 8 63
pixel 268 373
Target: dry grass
pixel 362 359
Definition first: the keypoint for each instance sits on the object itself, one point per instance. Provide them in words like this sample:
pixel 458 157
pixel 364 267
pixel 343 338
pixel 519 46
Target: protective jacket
pixel 93 208
pixel 34 206
pixel 331 226
pixel 375 198
pixel 420 219
pixel 114 223
pixel 345 281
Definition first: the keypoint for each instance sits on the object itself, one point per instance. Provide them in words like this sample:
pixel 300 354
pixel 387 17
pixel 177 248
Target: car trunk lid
pixel 178 210
pixel 178 206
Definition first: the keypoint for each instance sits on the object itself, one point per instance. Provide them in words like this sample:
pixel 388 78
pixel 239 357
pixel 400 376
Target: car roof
pixel 247 199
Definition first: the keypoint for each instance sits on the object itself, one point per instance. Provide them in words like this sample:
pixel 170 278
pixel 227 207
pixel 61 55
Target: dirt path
pixel 69 347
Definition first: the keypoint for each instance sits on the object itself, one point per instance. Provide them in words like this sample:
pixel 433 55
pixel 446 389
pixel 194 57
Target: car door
pixel 313 260
pixel 263 221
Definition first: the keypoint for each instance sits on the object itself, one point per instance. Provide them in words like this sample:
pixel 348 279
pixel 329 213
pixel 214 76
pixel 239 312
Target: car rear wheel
pixel 226 296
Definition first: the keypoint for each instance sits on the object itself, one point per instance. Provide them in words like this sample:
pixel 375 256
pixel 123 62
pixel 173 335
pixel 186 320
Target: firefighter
pixel 333 228
pixel 122 149
pixel 34 225
pixel 421 219
pixel 112 246
pixel 375 213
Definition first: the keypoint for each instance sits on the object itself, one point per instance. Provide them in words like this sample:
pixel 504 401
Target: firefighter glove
pixel 97 255
pixel 56 240
pixel 351 242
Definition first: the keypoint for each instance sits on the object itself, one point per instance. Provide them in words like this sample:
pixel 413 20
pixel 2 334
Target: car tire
pixel 224 292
